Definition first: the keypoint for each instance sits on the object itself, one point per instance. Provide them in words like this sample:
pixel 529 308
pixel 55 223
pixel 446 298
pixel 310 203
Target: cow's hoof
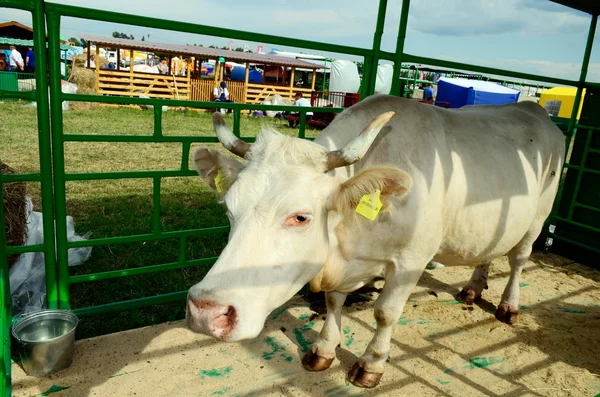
pixel 507 314
pixel 468 296
pixel 361 378
pixel 313 362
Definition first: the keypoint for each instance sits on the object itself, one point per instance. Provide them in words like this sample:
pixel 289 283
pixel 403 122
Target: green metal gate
pixel 53 177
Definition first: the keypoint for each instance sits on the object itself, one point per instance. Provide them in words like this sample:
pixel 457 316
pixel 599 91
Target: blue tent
pixel 239 72
pixel 461 92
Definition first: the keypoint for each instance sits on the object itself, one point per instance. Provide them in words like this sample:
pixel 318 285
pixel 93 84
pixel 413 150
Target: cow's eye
pixel 298 220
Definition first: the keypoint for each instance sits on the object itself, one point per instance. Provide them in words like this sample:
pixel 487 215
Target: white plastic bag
pixel 28 277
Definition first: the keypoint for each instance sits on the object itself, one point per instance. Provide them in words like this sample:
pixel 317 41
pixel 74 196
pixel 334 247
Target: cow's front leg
pixel 400 280
pixel 322 352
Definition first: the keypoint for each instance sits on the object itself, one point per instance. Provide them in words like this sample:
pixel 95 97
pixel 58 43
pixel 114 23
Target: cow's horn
pixel 357 148
pixel 231 142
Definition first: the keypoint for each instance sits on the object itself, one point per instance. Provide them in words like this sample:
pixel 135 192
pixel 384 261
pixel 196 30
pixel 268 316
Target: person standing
pixel 30 61
pixel 428 93
pixel 15 60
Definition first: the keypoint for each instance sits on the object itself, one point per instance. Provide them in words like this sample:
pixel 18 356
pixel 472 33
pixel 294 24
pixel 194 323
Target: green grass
pixel 124 207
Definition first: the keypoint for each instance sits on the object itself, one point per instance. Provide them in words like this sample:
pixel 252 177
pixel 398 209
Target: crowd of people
pixel 15 62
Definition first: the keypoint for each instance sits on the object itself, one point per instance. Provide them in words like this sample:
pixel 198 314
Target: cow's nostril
pixel 227 319
pixel 230 311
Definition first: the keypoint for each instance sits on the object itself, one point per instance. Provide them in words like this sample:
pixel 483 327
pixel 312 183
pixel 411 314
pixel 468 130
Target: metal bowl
pixel 46 341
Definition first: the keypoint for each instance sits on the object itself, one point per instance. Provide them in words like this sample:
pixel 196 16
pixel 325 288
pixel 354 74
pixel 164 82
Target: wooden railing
pixel 202 90
pixel 111 82
pixel 258 92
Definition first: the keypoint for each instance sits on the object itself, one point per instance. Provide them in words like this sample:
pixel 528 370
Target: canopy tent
pixel 461 92
pixel 559 101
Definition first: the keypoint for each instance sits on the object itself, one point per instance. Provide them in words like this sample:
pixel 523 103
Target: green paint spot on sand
pixel 349 338
pixel 124 373
pixel 441 382
pixel 424 321
pixel 287 358
pixel 523 284
pixel 404 321
pixel 304 316
pixel 276 348
pixel 278 312
pixel 574 311
pixel 449 371
pixel 483 362
pixel 310 325
pixel 215 372
pixel 54 389
pixel 221 392
pixel 302 341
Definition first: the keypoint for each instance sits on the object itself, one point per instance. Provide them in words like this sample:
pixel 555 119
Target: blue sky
pixel 535 36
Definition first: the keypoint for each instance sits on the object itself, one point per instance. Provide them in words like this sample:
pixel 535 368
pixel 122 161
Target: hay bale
pixel 86 82
pixel 15 212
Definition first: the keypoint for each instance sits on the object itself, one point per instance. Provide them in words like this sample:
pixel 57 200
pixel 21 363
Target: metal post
pixel 584 69
pixel 395 90
pixel 43 122
pixel 6 307
pixel 376 47
pixel 56 123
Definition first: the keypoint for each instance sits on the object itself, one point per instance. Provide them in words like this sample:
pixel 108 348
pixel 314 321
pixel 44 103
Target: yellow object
pixel 566 95
pixel 370 205
pixel 220 182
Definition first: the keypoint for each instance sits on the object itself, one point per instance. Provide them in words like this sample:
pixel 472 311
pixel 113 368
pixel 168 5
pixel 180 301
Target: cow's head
pixel 283 204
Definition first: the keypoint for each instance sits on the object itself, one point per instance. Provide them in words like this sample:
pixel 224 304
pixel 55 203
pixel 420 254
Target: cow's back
pixel 483 174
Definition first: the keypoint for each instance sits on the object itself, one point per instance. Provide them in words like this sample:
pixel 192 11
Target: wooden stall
pixel 192 84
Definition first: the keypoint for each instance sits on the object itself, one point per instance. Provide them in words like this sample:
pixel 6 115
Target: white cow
pixel 461 187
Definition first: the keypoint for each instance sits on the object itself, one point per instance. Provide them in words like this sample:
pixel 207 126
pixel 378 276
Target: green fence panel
pixel 577 221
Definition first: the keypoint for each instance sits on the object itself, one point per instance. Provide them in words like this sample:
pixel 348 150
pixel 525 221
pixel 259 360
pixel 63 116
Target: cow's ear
pixel 217 170
pixel 389 181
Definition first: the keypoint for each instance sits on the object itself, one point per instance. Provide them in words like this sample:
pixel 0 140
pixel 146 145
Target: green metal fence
pixel 53 176
pixel 16 81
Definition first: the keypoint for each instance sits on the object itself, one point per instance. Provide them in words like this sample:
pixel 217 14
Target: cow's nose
pixel 211 318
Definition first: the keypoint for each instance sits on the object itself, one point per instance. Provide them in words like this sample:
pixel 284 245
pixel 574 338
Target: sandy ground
pixel 440 347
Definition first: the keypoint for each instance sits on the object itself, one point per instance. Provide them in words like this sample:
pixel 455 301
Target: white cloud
pixel 491 17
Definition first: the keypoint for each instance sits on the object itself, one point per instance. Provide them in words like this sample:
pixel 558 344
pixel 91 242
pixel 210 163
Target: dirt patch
pixel 438 349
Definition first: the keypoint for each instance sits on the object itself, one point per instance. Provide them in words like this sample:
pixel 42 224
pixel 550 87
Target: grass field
pixel 124 207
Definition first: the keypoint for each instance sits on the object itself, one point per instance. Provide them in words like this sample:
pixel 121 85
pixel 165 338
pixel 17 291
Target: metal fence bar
pixel 164 24
pixel 140 270
pixel 23 178
pixel 399 55
pixel 56 122
pixel 45 152
pixel 5 305
pixel 485 69
pixel 372 76
pixel 131 304
pixel 148 237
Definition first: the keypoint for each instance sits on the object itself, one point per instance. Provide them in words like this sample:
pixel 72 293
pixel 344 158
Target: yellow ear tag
pixel 370 205
pixel 220 182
